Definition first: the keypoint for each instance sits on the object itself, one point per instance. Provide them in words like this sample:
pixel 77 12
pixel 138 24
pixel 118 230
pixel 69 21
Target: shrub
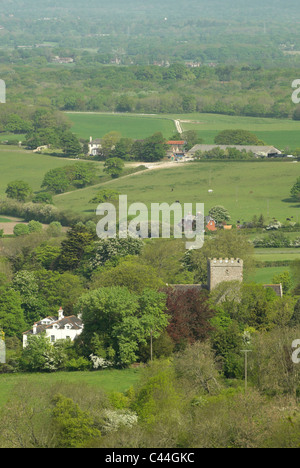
pixel 21 230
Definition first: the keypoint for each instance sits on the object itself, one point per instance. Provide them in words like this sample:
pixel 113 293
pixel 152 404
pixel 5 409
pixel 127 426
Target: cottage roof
pixel 74 322
pixel 187 287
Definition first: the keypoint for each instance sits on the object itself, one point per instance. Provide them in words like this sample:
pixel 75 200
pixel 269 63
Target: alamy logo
pixel 295 95
pixel 2 92
pixel 134 221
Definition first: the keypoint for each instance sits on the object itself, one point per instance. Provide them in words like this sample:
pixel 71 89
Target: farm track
pixel 149 168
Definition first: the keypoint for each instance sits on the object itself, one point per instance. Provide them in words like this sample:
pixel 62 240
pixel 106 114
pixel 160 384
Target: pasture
pixel 281 133
pixel 244 188
pixel 106 380
pixel 284 134
pixel 129 125
pixel 19 164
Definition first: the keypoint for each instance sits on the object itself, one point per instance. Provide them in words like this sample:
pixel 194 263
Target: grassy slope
pixel 16 164
pixel 245 189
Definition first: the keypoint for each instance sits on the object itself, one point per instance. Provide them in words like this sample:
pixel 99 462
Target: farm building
pixel 258 151
pixel 176 148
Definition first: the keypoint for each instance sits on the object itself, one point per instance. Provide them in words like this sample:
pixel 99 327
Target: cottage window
pixel 52 338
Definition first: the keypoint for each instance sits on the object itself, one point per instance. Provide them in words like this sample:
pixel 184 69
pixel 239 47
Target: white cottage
pixel 56 328
pixel 94 146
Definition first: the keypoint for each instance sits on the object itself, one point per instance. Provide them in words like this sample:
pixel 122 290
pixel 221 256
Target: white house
pixel 94 146
pixel 56 328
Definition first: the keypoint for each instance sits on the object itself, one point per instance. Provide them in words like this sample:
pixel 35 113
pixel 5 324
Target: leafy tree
pixel 191 139
pixel 16 124
pixel 73 427
pixel 74 247
pixel 105 195
pixel 43 137
pixel 112 250
pixel 109 142
pixel 114 167
pixel 237 137
pixel 121 320
pixel 123 149
pixel 46 254
pixel 18 190
pixel 56 181
pixel 153 148
pixel 43 197
pixel 219 214
pixel 33 306
pixel 21 229
pixel 70 144
pixel 12 320
pixel 129 273
pixel 190 313
pixel 35 226
pixel 295 191
pixel 285 279
pixel 58 289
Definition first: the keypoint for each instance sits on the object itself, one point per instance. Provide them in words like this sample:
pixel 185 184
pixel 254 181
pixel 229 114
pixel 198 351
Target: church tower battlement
pixel 224 269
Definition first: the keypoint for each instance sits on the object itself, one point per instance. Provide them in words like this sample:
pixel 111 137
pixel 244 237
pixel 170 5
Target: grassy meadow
pixel 106 380
pixel 130 126
pixel 20 164
pixel 281 133
pixel 244 188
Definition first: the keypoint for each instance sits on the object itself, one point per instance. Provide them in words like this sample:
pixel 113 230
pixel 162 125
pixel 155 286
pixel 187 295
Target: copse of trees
pixel 59 180
pixel 237 137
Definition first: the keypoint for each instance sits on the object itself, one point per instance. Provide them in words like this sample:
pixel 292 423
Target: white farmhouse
pixel 94 146
pixel 56 328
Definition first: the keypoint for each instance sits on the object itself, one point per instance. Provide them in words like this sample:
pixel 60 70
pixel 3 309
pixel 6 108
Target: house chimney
pixel 60 314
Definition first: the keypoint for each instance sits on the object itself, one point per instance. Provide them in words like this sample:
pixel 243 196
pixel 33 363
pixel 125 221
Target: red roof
pixel 176 142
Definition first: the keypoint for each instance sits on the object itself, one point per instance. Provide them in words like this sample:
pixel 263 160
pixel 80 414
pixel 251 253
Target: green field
pixel 281 133
pixel 245 189
pixel 277 255
pixel 19 164
pixel 107 380
pixel 130 126
pixel 265 275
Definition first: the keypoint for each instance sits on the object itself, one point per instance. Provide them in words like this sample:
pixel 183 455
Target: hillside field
pixel 19 164
pixel 244 188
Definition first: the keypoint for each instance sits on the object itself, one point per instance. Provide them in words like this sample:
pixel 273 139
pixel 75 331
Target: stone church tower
pixel 220 270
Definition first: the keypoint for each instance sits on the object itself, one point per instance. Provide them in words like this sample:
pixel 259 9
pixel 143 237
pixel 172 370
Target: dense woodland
pixel 138 61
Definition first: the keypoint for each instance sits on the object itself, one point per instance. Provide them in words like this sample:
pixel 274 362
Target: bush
pixel 21 230
pixel 78 364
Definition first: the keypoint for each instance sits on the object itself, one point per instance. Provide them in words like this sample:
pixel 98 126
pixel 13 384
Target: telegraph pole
pixel 246 351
